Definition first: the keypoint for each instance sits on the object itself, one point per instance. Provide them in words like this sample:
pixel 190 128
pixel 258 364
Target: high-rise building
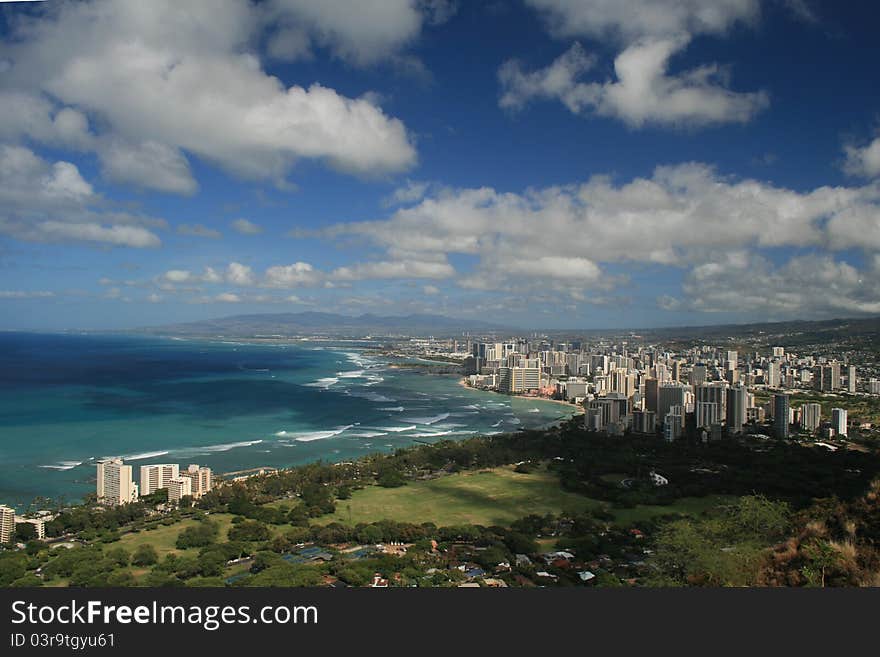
pixel 781 415
pixel 518 379
pixel 737 403
pixel 778 352
pixel 115 485
pixel 732 358
pixel 706 414
pixel 773 378
pixel 671 394
pixel 652 388
pixel 838 421
pixel 851 378
pixel 819 377
pixel 154 477
pixel 644 421
pixel 178 488
pixel 811 416
pixel 698 374
pixel 673 423
pixel 201 479
pixel 874 387
pixel 7 524
pixel 835 375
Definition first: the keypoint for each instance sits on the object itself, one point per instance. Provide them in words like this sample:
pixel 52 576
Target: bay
pixel 67 400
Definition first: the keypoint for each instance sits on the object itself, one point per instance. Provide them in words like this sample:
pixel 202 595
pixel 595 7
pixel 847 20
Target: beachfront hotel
pixel 7 524
pixel 115 485
pixel 154 477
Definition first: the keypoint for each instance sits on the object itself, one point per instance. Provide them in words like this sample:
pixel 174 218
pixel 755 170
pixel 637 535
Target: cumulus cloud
pixel 43 202
pixel 804 286
pixel 378 30
pixel 162 87
pixel 246 227
pixel 863 161
pixel 643 91
pixel 147 164
pixel 565 238
pixel 394 269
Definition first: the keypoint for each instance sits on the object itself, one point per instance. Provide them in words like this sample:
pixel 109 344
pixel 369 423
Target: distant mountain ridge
pixel 310 323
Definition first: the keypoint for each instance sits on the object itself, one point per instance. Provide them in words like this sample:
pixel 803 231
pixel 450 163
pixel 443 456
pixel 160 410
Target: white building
pixel 38 523
pixel 115 485
pixel 179 487
pixel 201 479
pixel 7 524
pixel 154 477
pixel 811 416
pixel 518 379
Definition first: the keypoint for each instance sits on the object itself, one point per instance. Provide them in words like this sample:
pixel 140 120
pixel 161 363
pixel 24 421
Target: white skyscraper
pixel 201 479
pixel 7 524
pixel 811 416
pixel 851 379
pixel 154 477
pixel 115 485
pixel 178 488
pixel 838 421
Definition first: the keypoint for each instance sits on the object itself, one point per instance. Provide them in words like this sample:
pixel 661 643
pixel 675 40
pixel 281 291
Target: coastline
pixel 578 410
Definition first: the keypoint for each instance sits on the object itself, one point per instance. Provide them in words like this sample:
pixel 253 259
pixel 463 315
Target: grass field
pixel 164 537
pixel 487 497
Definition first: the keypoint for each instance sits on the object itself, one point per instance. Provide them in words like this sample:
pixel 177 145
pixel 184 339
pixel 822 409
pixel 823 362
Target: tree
pixel 249 530
pixel 144 555
pixel 200 535
pixel 821 558
pixel 25 532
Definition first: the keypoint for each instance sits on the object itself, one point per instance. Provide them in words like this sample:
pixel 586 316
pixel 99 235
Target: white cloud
pixel 227 297
pixel 198 230
pixel 246 227
pixel 283 276
pixel 630 20
pixel 643 92
pixel 154 79
pixel 45 202
pixel 863 161
pixel 431 290
pixel 25 294
pixel 375 30
pixel 394 269
pixel 239 274
pixel 562 236
pixel 649 34
pixel 412 192
pixel 148 164
pixel 177 276
pixel 804 286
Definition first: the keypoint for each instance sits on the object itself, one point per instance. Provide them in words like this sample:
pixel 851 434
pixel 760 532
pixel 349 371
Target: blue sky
pixel 545 163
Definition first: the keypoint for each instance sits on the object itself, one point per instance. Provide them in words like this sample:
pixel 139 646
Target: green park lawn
pixel 164 537
pixel 487 497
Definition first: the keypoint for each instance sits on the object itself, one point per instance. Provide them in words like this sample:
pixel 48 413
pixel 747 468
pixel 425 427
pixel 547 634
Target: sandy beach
pixel 578 410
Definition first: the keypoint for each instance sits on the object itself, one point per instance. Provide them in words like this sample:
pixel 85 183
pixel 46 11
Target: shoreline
pixel 578 410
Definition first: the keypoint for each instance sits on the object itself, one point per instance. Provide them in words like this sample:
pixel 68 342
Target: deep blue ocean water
pixel 66 400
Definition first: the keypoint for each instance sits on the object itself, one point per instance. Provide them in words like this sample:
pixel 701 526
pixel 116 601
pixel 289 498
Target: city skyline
pixel 544 164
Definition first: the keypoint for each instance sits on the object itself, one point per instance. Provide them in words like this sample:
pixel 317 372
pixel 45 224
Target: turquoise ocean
pixel 67 400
